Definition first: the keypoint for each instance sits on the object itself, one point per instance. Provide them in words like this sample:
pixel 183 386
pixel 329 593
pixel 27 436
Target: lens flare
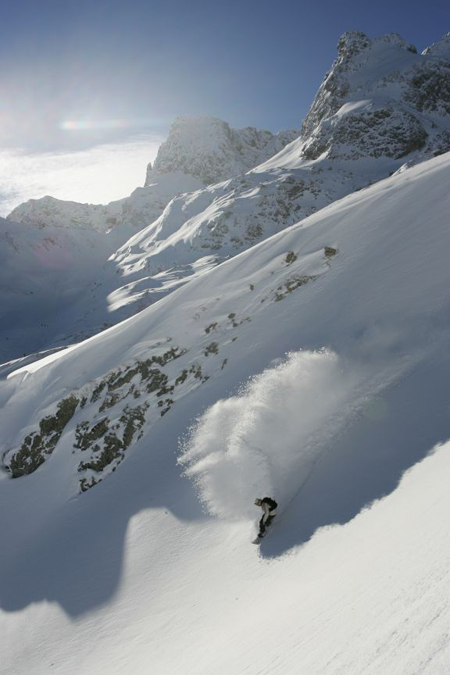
pixel 88 125
pixel 102 125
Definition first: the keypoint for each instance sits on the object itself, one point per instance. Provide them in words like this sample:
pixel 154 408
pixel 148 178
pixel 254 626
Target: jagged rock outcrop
pixel 351 72
pixel 372 101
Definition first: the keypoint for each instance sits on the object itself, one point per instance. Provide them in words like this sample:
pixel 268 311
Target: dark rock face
pixel 39 445
pixel 397 87
pixel 101 440
pixel 385 132
pixel 429 88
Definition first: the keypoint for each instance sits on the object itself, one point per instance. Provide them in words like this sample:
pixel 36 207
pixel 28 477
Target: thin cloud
pixel 98 175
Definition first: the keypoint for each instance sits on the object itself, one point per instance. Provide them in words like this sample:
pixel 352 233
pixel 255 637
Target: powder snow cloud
pixel 267 439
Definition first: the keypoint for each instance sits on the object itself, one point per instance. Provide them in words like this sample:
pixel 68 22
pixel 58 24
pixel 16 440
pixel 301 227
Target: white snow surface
pixel 328 385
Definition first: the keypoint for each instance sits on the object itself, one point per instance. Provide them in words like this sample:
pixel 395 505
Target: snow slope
pixel 351 431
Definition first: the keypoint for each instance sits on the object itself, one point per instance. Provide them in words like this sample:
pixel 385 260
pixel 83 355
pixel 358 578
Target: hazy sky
pixel 77 75
pixel 97 175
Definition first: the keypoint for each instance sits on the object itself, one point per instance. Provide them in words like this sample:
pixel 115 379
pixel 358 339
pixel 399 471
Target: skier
pixel 269 506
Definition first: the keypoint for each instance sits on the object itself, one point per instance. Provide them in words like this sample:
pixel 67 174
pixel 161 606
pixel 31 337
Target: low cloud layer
pixel 98 175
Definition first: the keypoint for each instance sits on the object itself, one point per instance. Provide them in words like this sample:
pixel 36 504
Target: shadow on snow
pixel 369 460
pixel 76 560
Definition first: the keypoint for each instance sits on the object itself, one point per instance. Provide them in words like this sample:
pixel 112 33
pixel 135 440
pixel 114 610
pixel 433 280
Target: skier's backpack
pixel 271 503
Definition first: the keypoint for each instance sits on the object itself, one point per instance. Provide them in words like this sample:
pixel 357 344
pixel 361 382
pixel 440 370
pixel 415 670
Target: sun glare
pixel 102 125
pixel 82 125
pixel 96 175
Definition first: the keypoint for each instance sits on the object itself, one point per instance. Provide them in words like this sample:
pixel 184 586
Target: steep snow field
pixel 328 385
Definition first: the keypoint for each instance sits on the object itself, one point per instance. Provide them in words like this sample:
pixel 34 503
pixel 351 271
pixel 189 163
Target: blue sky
pixel 78 74
pixel 139 64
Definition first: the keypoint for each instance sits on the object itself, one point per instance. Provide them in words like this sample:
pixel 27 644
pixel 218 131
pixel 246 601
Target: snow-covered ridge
pixel 440 48
pixel 121 217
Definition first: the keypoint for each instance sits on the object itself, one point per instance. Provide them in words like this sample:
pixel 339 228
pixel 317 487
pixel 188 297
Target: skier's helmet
pixel 258 502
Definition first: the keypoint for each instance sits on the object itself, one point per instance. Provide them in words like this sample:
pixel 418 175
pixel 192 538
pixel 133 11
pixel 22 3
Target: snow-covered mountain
pixel 381 107
pixel 198 151
pixel 210 150
pixel 292 341
pixel 45 238
pixel 312 367
pixel 381 99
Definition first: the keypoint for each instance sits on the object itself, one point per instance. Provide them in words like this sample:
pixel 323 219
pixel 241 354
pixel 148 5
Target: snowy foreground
pixel 333 398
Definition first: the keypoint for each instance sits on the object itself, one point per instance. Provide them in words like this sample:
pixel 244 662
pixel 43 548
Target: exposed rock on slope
pixel 105 416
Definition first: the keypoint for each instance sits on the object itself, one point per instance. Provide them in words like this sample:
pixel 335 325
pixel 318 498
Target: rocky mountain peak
pixel 381 106
pixel 371 101
pixel 351 43
pixel 209 149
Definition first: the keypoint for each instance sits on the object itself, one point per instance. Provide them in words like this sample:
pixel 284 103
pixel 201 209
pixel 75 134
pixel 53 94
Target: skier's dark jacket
pixel 269 506
pixel 271 503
